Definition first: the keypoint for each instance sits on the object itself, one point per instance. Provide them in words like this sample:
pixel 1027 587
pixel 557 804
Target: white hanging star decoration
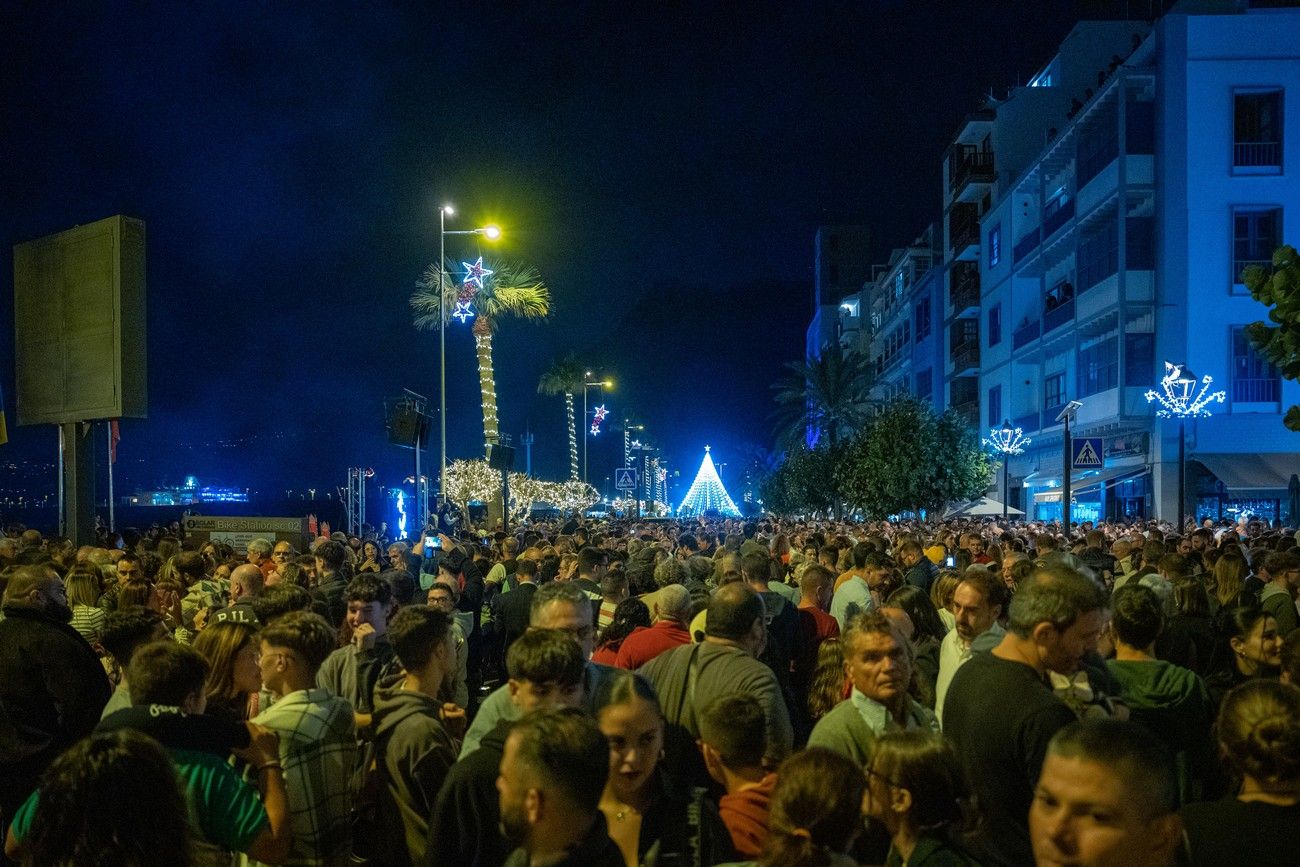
pixel 476 272
pixel 463 312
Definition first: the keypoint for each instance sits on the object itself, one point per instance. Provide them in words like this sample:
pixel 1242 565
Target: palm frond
pixel 564 376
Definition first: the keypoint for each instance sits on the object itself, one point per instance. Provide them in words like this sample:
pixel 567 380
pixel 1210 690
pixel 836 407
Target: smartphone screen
pixel 950 562
pixel 431 542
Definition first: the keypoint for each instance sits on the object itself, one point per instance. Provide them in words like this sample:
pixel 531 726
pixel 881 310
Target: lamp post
pixel 492 233
pixel 1065 416
pixel 1007 441
pixel 602 383
pixel 1181 398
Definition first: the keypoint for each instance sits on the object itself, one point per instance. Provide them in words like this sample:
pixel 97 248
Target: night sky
pixel 664 165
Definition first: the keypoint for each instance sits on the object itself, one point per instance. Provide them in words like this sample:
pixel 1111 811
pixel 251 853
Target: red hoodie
pixel 745 815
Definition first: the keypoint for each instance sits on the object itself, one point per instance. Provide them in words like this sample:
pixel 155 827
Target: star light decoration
pixel 601 412
pixel 474 274
pixel 1007 440
pixel 1181 397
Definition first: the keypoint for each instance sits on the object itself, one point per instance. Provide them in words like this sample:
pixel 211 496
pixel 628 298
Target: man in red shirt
pixel 670 608
pixel 814 626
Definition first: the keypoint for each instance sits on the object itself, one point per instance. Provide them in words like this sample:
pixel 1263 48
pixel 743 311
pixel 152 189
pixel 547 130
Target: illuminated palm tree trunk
pixel 573 437
pixel 486 383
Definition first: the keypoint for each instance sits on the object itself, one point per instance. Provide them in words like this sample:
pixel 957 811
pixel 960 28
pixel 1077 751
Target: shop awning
pixel 1084 484
pixel 1269 471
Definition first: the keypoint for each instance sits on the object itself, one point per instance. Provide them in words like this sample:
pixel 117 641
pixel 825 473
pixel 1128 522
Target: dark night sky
pixel 664 165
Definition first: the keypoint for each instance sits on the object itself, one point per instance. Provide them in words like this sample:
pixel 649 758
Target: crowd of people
pixel 671 693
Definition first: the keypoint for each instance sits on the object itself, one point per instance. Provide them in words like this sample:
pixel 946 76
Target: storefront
pixel 1233 487
pixel 1114 493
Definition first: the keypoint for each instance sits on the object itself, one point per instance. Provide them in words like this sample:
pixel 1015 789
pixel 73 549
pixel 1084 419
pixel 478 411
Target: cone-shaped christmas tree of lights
pixel 707 493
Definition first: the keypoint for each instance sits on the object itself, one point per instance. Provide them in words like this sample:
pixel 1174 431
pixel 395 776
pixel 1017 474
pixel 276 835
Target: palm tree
pixel 829 396
pixel 565 377
pixel 513 289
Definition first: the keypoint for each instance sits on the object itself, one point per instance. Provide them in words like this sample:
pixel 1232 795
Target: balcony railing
pixel 969 164
pixel 1058 316
pixel 1026 422
pixel 1252 154
pixel 969 410
pixel 1026 245
pixel 1058 218
pixel 965 290
pixel 965 233
pixel 966 356
pixel 1256 390
pixel 1239 265
pixel 1025 334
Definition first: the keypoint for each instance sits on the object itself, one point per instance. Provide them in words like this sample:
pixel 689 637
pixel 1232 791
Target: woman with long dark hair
pixel 1249 648
pixel 629 614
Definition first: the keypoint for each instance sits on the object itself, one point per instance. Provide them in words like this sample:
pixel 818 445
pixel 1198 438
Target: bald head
pixel 901 619
pixel 673 602
pixel 245 580
pixel 733 611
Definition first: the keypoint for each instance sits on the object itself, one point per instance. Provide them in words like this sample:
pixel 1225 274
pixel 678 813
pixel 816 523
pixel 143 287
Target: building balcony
pixel 964 290
pixel 1027 423
pixel 1057 218
pixel 1026 245
pixel 970 169
pixel 966 358
pixel 1058 315
pixel 1026 334
pixel 969 410
pixel 1257 154
pixel 964 231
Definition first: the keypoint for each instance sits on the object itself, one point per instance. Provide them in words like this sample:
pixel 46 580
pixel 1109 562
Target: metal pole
pixel 62 519
pixel 442 354
pixel 1182 476
pixel 425 516
pixel 584 432
pixel 1065 479
pixel 109 427
pixel 1006 484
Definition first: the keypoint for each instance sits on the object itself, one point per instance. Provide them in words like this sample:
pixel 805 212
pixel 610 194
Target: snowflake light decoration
pixel 1182 398
pixel 475 273
pixel 1007 440
pixel 599 417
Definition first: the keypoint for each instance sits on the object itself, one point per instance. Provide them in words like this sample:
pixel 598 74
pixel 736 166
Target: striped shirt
pixel 89 621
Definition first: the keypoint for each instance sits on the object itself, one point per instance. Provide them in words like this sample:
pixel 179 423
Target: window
pixel 995 406
pixel 1053 393
pixel 1098 367
pixel 925 384
pixel 1254 379
pixel 1140 127
pixel 1256 233
pixel 995 245
pixel 1098 143
pixel 1139 359
pixel 1257 129
pixel 1098 254
pixel 995 325
pixel 922 316
pixel 1140 236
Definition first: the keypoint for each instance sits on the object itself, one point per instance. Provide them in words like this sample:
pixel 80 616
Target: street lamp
pixel 492 233
pixel 586 384
pixel 1065 416
pixel 1007 441
pixel 1181 399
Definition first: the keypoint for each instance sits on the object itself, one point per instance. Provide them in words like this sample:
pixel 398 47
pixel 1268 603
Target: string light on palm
pixel 1006 441
pixel 1183 396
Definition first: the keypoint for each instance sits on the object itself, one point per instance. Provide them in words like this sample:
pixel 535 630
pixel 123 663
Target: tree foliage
pixel 910 459
pixel 830 394
pixel 1278 288
pixel 803 483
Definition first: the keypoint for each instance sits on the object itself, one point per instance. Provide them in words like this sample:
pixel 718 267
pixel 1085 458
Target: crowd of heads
pixel 588 660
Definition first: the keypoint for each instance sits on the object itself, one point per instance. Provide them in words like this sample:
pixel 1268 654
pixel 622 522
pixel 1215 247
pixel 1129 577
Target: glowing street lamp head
pixel 492 233
pixel 1007 440
pixel 449 210
pixel 1181 397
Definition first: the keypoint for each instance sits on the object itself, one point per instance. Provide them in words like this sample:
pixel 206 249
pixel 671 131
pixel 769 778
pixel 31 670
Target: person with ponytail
pixel 1259 739
pixel 816 811
pixel 917 790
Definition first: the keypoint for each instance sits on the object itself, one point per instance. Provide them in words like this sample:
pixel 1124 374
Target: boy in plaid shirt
pixel 317 737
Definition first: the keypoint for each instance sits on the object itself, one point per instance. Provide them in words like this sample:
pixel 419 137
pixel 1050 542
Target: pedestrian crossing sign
pixel 625 478
pixel 1086 453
